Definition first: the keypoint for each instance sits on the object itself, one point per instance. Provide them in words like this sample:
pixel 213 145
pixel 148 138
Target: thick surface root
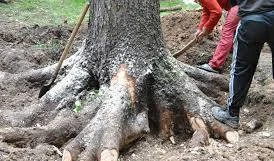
pixel 200 136
pixel 116 118
pixel 213 85
pixel 111 128
pixel 76 81
pixel 105 125
pixel 57 132
pixel 39 76
pixel 66 125
pixel 220 130
pixel 63 93
pixel 183 98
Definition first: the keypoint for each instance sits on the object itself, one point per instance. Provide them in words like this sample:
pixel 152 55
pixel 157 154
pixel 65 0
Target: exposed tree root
pixel 200 136
pixel 64 92
pixel 76 81
pixel 41 75
pixel 222 131
pixel 141 89
pixel 111 128
pixel 117 117
pixel 67 124
pixel 30 137
pixel 213 85
pixel 180 91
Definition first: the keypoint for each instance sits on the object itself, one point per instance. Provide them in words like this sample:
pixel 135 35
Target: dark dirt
pixel 31 47
pixel 178 31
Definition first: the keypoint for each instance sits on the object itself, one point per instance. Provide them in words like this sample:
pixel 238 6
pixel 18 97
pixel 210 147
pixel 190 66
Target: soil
pixel 178 30
pixel 31 47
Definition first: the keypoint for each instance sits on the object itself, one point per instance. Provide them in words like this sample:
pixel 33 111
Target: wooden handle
pixel 189 45
pixel 70 40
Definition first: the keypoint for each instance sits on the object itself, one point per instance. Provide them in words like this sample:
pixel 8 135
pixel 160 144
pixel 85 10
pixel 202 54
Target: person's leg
pixel 225 44
pixel 247 48
pixel 270 17
pixel 271 45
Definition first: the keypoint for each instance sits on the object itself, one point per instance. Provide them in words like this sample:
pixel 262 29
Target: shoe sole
pixel 231 125
pixel 208 70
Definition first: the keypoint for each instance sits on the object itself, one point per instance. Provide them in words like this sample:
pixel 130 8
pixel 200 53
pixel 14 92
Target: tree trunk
pixel 135 84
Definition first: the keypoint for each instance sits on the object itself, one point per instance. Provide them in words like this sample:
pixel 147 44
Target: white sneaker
pixel 208 68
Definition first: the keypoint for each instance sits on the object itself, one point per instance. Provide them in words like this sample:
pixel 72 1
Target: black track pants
pixel 253 31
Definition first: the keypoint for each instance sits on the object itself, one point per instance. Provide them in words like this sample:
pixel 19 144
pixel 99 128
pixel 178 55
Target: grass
pixel 173 3
pixel 42 12
pixel 191 6
pixel 170 3
pixel 56 12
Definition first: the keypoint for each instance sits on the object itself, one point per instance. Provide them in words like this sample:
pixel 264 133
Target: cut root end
pixel 232 136
pixel 109 155
pixel 225 132
pixel 66 156
pixel 201 134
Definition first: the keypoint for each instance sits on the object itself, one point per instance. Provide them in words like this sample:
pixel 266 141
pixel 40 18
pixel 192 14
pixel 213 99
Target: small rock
pixel 172 140
pixel 253 125
pixel 159 150
pixel 229 145
pixel 194 152
pixel 241 132
pixel 163 151
pixel 172 158
pixel 1 138
pixel 195 149
pixel 246 110
pixel 265 134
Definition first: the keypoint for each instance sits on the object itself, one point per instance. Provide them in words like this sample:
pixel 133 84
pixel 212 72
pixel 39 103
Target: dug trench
pixel 30 47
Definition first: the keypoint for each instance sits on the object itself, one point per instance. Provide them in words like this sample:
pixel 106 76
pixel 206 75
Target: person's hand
pixel 200 34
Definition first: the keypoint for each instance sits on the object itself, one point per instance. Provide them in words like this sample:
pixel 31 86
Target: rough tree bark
pixel 137 87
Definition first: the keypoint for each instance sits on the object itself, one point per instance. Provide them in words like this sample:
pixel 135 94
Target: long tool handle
pixel 70 40
pixel 189 45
